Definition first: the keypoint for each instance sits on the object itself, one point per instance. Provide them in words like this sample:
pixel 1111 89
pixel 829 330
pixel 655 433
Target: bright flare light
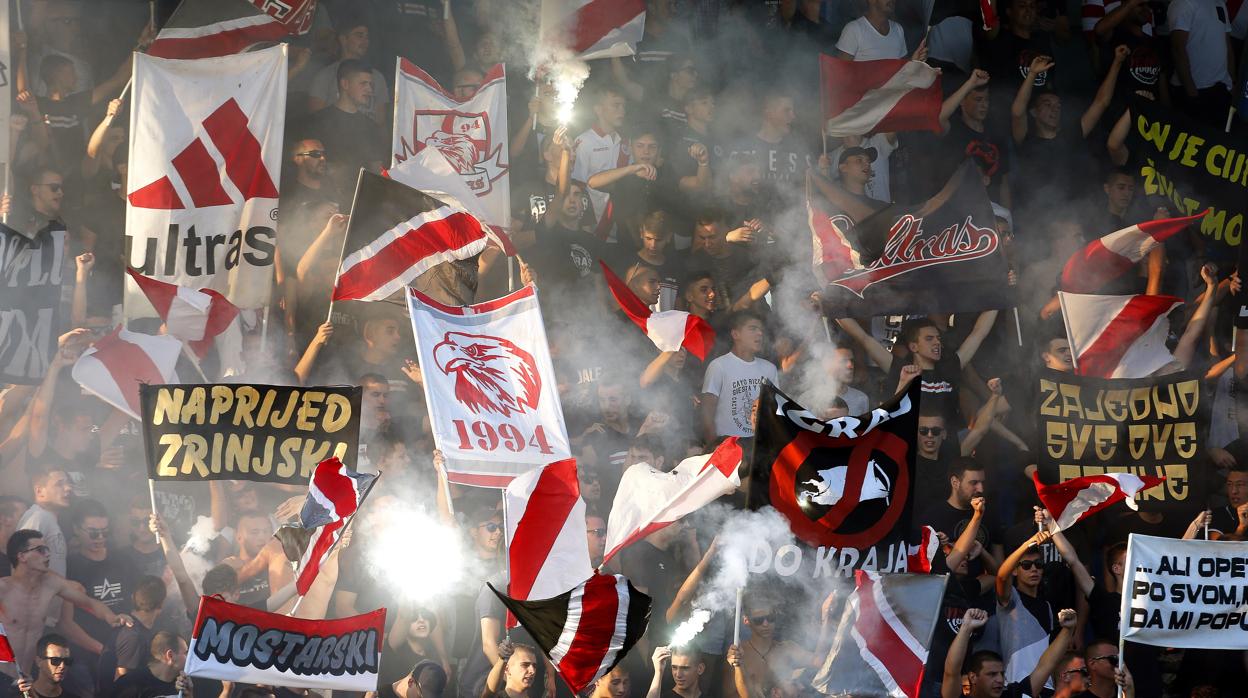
pixel 689 629
pixel 413 554
pixel 565 98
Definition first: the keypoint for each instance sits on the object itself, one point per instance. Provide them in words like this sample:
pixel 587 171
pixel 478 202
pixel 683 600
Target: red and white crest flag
pixel 210 28
pixel 1078 498
pixel 545 533
pixel 471 134
pixel 650 500
pixel 240 644
pixel 490 386
pixel 114 367
pixel 1117 336
pixel 205 162
pixel 895 94
pixel 590 29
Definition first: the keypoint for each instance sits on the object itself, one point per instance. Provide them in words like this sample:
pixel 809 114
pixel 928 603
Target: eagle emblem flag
pixel 490 386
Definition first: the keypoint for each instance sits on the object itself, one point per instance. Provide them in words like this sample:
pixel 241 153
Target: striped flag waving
pixel 334 495
pixel 1118 336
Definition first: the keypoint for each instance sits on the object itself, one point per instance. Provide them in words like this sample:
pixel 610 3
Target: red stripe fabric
pixel 845 83
pixel 128 364
pixel 882 640
pixel 1058 496
pixel 220 314
pixel 600 611
pixel 453 232
pixel 244 162
pixel 1113 254
pixel 199 175
pixel 339 489
pixel 325 538
pixel 159 293
pixel 726 457
pixel 699 337
pixel 596 18
pixel 1136 317
pixel 226 42
pixel 627 300
pixel 545 515
pixel 988 14
pixel 6 650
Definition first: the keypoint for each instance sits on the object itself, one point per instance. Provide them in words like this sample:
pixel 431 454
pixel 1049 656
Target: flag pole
pixel 1018 327
pixel 332 546
pixel 329 315
pixel 736 626
pixel 506 559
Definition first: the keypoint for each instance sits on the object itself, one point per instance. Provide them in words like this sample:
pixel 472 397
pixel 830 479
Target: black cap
pixel 847 153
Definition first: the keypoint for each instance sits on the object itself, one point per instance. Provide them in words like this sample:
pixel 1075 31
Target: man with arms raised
pixel 26 595
pixel 985 672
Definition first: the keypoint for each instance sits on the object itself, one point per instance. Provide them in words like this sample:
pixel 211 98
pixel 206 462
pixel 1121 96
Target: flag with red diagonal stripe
pixel 882 641
pixel 114 367
pixel 875 96
pixel 6 650
pixel 195 316
pixel 834 254
pixel 649 500
pixel 545 533
pixel 397 233
pixel 1078 498
pixel 587 630
pixel 210 28
pixel 670 330
pixel 591 29
pixel 334 495
pixel 1113 255
pixel 1117 336
pixel 205 162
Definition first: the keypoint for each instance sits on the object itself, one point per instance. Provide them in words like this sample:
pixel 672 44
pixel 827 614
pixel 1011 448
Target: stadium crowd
pixel 686 169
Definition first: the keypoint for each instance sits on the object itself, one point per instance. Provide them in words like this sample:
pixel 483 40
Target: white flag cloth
pixel 589 29
pixel 471 134
pixel 649 500
pixel 114 367
pixel 490 386
pixel 205 162
pixel 546 536
pixel 1117 336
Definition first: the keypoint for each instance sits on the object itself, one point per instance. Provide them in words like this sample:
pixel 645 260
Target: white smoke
pixel 743 535
pixel 686 631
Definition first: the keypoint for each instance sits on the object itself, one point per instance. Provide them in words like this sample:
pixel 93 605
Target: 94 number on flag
pixel 485 437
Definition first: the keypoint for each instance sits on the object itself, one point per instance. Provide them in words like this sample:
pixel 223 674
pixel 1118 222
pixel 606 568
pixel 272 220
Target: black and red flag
pixel 211 28
pixel 587 630
pixel 941 255
pixel 842 483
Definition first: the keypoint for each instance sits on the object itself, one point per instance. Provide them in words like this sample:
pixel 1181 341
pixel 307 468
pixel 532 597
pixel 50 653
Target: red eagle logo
pixel 491 373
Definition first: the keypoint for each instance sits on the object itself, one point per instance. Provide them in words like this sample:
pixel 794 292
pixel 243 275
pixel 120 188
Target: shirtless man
pixel 262 567
pixel 762 659
pixel 25 596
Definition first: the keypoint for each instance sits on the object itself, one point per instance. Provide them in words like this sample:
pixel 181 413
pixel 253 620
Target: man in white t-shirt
pixel 874 35
pixel 731 384
pixel 599 148
pixel 1200 43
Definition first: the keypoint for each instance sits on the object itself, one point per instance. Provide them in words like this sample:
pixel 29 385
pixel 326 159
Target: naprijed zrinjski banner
pixel 244 645
pixel 205 163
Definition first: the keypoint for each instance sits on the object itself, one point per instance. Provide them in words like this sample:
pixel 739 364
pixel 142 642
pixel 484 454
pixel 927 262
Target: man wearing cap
pixel 849 191
pixel 425 680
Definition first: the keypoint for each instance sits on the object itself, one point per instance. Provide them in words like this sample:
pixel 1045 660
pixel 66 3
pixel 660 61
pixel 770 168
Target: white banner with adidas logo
pixel 204 167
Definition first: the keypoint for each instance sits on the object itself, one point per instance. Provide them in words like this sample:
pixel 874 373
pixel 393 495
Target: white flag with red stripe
pixel 205 162
pixel 876 96
pixel 883 638
pixel 1078 498
pixel 471 133
pixel 919 556
pixel 196 316
pixel 6 649
pixel 670 330
pixel 114 367
pixel 210 28
pixel 334 495
pixel 590 29
pixel 587 630
pixel 546 534
pixel 650 500
pixel 1113 255
pixel 1117 336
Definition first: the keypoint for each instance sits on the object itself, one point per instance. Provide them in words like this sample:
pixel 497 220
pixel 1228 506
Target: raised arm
pixel 307 361
pixel 1185 351
pixel 659 659
pixel 1104 93
pixel 173 557
pixel 701 180
pixel 1005 573
pixel 951 681
pixel 983 325
pixel 1047 664
pixel 840 198
pixel 874 349
pixel 454 48
pixel 1067 551
pixel 984 418
pixel 1022 98
pixel 1105 26
pixel 965 543
pixel 1117 142
pixel 335 227
pixel 952 102
pixel 631 87
pixel 91 161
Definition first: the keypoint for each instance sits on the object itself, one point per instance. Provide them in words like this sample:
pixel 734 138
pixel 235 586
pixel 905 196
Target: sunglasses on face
pixel 318 154
pixel 1030 564
pixel 759 620
pixel 41 549
pixel 1081 671
pixel 931 431
pixel 57 661
pixel 490 527
pixel 97 533
pixel 1111 658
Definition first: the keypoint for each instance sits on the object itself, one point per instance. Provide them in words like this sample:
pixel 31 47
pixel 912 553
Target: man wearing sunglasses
pixel 311 182
pixel 1101 659
pixel 26 595
pixel 106 577
pixel 1072 677
pixel 1025 617
pixel 52 662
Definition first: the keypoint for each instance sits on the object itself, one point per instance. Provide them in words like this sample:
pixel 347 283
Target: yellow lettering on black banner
pixel 1048 398
pixel 337 413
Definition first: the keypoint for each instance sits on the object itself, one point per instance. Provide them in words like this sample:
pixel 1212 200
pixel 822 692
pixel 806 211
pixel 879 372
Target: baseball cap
pixel 848 153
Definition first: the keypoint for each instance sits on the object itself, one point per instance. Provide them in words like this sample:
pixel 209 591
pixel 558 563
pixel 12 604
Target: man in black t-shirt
pixel 425 680
pixel 971 134
pixel 347 130
pixel 162 675
pixel 952 515
pixel 105 576
pixel 1008 55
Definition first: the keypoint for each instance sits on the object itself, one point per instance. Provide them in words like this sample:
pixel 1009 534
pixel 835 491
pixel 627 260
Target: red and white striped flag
pixel 650 500
pixel 1113 255
pixel 1078 498
pixel 593 28
pixel 114 367
pixel 210 28
pixel 670 330
pixel 894 94
pixel 546 537
pixel 834 254
pixel 1117 336
pixel 382 255
pixel 585 631
pixel 6 650
pixel 195 316
pixel 919 557
pixel 334 494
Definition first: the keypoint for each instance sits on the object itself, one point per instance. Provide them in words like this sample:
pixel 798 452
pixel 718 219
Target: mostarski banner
pixel 243 645
pixel 943 255
pixel 470 133
pixel 205 161
pixel 490 386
